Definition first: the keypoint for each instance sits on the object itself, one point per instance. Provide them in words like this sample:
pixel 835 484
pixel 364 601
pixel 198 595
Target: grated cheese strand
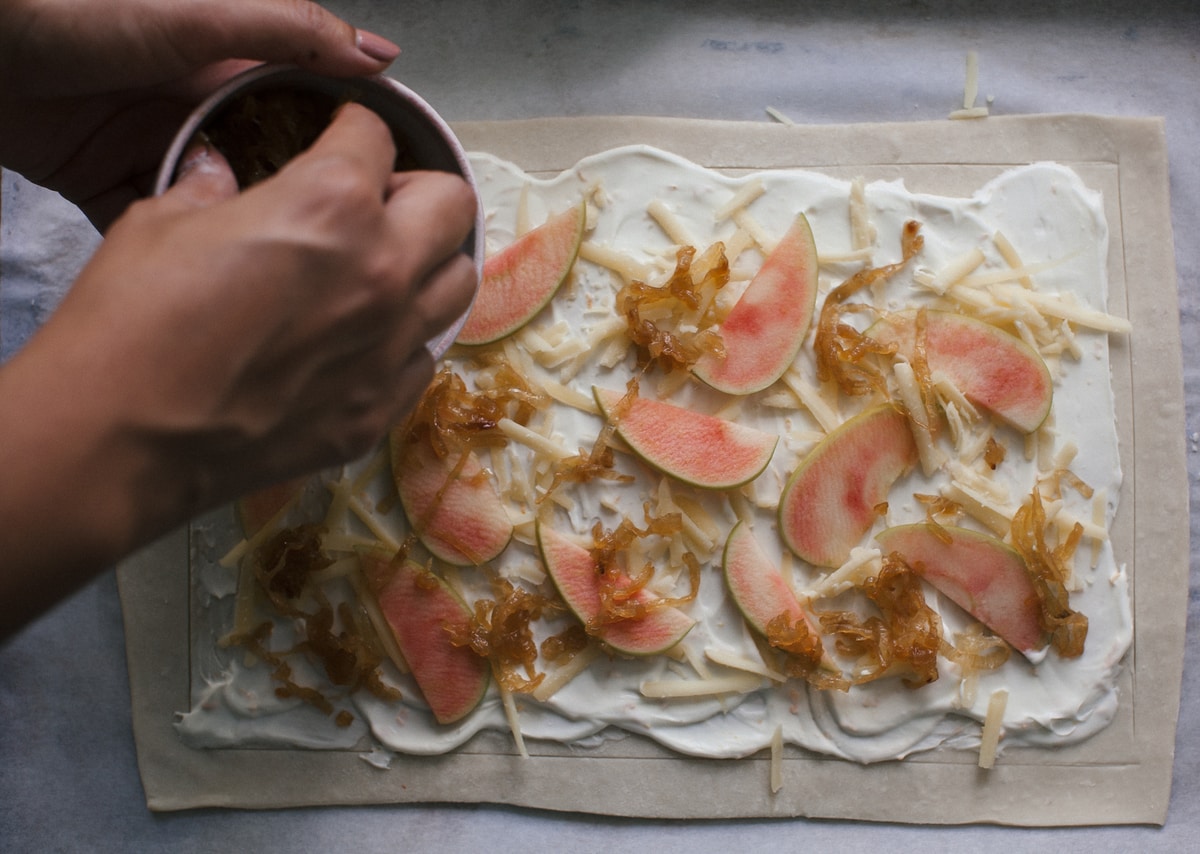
pixel 383 629
pixel 741 662
pixel 971 86
pixel 776 114
pixel 514 721
pixel 671 224
pixel 993 723
pixel 862 563
pixel 810 397
pixel 272 525
pixel 534 441
pixel 666 688
pixel 754 228
pixel 1011 257
pixel 374 524
pixel 777 759
pixel 1074 313
pixel 560 677
pixel 745 195
pixel 862 232
pixel 625 267
pixel 957 270
pixel 931 456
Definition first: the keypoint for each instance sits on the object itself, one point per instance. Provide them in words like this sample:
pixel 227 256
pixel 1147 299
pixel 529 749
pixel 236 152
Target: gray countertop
pixel 68 773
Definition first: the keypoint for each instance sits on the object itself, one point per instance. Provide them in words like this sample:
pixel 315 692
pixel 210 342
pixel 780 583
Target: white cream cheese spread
pixel 1027 250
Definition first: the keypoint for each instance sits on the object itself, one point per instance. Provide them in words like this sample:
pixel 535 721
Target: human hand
pixel 93 92
pixel 316 291
pixel 219 342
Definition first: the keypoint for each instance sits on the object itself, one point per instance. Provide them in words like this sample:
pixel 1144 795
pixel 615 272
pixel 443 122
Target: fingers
pixel 359 136
pixel 292 31
pixel 198 85
pixel 77 48
pixel 434 211
pixel 446 295
pixel 203 177
pixel 426 216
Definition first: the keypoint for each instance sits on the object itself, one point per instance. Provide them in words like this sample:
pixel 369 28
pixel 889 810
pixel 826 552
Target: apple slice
pixel 764 331
pixel 521 278
pixel 701 450
pixel 832 498
pixel 993 369
pixel 420 609
pixel 981 574
pixel 459 516
pixel 574 572
pixel 756 584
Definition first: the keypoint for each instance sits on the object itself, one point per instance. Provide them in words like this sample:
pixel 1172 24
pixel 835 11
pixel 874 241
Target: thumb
pixel 203 178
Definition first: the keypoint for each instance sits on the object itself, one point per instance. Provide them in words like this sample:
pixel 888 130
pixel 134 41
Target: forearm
pixel 78 489
pixel 216 343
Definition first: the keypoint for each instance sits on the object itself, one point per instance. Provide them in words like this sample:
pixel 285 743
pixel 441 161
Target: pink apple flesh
pixel 420 609
pixel 520 279
pixel 766 327
pixel 701 450
pixel 757 584
pixel 993 369
pixel 459 516
pixel 574 572
pixel 981 574
pixel 831 500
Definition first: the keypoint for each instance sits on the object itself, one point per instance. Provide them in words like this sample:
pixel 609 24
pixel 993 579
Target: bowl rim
pixel 253 77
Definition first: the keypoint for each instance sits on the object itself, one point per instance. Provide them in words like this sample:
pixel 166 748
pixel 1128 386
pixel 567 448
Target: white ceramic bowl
pixel 415 125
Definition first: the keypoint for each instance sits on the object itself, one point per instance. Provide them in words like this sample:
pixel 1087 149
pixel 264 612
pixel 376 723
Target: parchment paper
pixel 1121 776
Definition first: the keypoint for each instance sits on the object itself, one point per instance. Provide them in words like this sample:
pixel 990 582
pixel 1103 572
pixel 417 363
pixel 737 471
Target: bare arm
pixel 219 342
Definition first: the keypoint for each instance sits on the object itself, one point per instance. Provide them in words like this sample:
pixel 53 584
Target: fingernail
pixel 376 47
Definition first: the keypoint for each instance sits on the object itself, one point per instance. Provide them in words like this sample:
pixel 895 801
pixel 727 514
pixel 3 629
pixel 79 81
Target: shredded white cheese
pixel 272 525
pixel 383 629
pixel 958 269
pixel 374 523
pixel 930 454
pixel 562 675
pixel 533 440
pixel 754 228
pixel 778 116
pixel 1011 257
pixel 862 232
pixel 514 720
pixel 777 759
pixel 992 726
pixel 971 87
pixel 736 684
pixel 741 662
pixel 810 397
pixel 744 196
pixel 625 267
pixel 861 565
pixel 672 225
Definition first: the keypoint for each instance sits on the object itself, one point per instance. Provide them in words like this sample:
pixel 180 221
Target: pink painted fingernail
pixel 377 47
